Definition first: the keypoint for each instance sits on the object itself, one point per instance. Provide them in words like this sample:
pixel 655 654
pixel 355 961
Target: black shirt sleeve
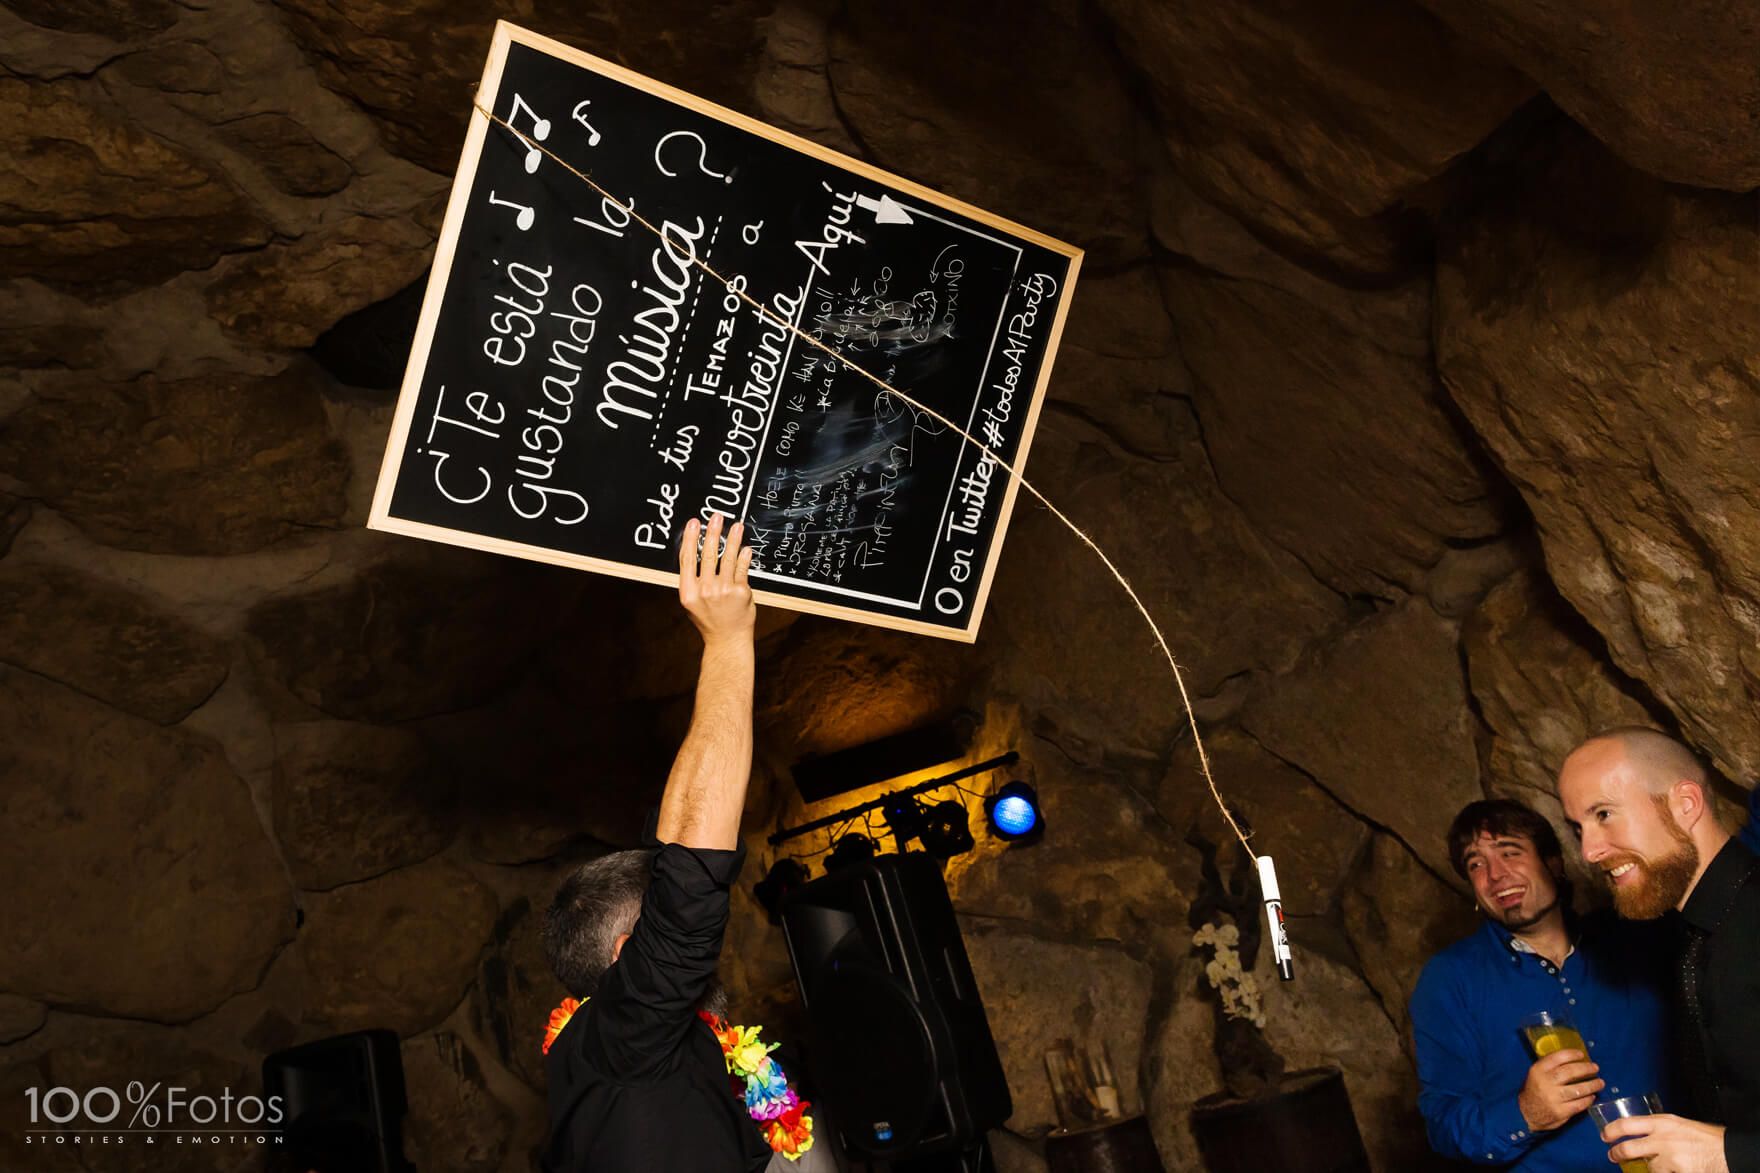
pixel 647 1000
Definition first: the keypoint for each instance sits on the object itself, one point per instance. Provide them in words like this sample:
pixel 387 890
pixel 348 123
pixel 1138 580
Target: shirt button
pixel 1591 1042
pixel 1573 1001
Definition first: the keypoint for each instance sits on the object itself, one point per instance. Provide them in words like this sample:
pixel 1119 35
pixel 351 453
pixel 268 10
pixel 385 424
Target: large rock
pixel 413 64
pixel 1181 1067
pixel 398 951
pixel 180 900
pixel 542 766
pixel 1343 449
pixel 792 87
pixel 42 327
pixel 354 801
pixel 438 630
pixel 1037 993
pixel 1380 719
pixel 454 1123
pixel 116 1055
pixel 25 1143
pixel 108 643
pixel 19 1017
pixel 837 685
pixel 651 649
pixel 96 200
pixel 1602 333
pixel 999 114
pixel 1328 1017
pixel 298 164
pixel 1673 90
pixel 15 513
pixel 1108 869
pixel 285 297
pixel 1313 122
pixel 176 68
pixel 515 990
pixel 1398 915
pixel 1118 367
pixel 1457 584
pixel 1313 839
pixel 116 20
pixel 1542 683
pixel 1062 631
pixel 217 464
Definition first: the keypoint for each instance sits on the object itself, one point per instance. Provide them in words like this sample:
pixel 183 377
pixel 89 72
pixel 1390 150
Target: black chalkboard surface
pixel 580 385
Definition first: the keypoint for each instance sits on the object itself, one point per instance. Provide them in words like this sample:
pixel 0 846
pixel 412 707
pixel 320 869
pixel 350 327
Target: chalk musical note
pixel 580 116
pixel 540 131
pixel 526 215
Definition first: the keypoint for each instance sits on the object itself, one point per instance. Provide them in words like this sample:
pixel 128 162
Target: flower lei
pixel 756 1077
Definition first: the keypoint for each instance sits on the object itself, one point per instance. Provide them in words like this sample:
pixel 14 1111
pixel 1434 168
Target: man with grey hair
pixel 638 1075
pixel 1641 805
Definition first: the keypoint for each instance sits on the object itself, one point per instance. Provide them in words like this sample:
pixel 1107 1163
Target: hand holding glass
pixel 1607 1111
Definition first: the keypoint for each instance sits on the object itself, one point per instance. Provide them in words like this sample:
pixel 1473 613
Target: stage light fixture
pixel 945 829
pixel 851 850
pixel 1014 813
pixel 784 874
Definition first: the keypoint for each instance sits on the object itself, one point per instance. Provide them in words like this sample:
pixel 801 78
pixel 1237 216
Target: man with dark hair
pixel 1484 1098
pixel 1641 805
pixel 639 1077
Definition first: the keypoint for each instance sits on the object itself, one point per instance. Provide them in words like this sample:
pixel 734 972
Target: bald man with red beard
pixel 1641 805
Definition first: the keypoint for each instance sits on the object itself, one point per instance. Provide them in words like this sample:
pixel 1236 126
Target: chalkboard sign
pixel 581 383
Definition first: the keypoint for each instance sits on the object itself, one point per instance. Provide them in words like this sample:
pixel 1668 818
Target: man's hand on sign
pixel 1557 1088
pixel 713 588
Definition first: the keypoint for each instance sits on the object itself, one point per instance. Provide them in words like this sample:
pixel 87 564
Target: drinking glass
pixel 1607 1111
pixel 1550 1031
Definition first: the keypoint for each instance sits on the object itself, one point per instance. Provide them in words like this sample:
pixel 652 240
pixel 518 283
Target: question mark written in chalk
pixel 702 156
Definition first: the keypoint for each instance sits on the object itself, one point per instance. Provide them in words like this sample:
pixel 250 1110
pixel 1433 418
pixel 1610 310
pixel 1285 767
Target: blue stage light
pixel 1014 813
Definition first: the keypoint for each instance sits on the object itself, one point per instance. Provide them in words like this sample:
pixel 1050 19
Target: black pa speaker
pixel 902 1046
pixel 342 1102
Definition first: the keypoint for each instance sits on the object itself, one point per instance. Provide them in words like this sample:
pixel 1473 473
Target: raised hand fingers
pixel 743 567
pixel 729 571
pixel 687 557
pixel 712 545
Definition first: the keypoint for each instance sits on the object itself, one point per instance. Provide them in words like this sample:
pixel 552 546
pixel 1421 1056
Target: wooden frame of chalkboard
pixel 550 413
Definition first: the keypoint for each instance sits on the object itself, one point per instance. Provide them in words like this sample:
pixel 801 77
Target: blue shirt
pixel 1466 1022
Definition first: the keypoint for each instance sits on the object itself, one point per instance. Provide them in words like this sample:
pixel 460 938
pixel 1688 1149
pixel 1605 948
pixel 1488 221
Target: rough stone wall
pixel 1413 379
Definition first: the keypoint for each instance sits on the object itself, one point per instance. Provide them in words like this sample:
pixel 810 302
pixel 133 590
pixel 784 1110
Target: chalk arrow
pixel 886 209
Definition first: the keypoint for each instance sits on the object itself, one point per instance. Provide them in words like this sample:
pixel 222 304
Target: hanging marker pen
pixel 1274 918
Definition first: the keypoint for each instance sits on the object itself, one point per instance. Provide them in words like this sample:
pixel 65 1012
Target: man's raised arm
pixel 706 790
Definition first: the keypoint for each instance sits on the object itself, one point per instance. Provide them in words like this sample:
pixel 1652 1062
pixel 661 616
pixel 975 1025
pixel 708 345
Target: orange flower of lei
pixel 756 1077
pixel 558 1019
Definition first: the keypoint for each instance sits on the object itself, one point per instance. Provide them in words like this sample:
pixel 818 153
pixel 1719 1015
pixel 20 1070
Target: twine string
pixel 767 313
